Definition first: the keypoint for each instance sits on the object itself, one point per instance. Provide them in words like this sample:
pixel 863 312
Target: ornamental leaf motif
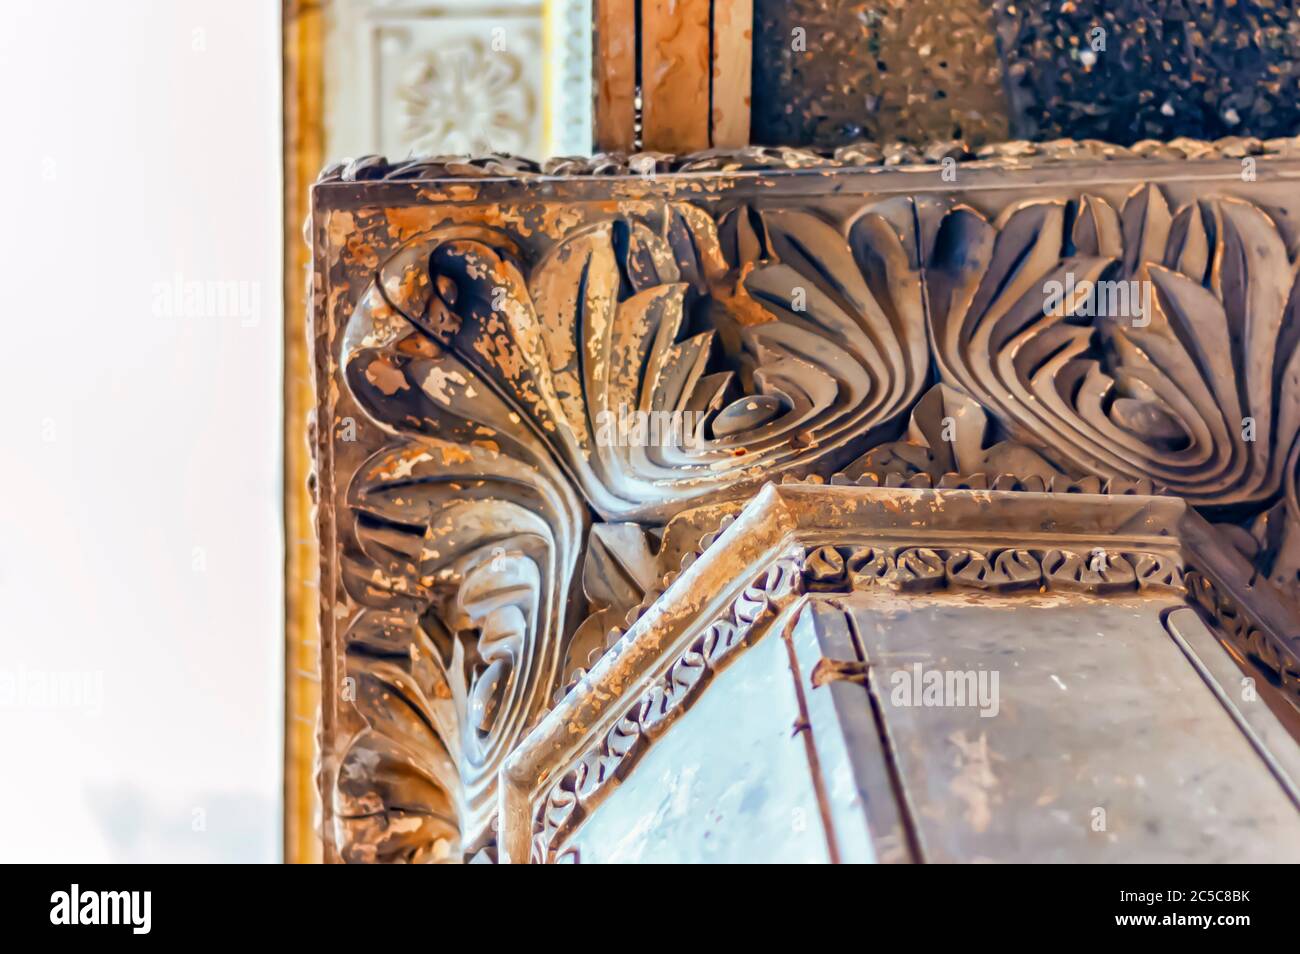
pixel 788 340
pixel 467 535
pixel 1195 388
pixel 784 338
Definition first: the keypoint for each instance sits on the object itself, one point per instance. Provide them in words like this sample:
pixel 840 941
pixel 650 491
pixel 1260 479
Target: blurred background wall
pixel 457 77
pixel 142 669
pixel 140 549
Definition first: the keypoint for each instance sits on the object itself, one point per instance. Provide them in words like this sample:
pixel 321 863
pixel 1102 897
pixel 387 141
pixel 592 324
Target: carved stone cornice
pixel 613 755
pixel 1093 570
pixel 1145 547
pixel 772 158
pixel 484 332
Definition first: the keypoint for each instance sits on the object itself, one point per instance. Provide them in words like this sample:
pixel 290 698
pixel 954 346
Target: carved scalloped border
pixel 768 158
pixel 575 793
pixel 1009 482
pixel 1242 630
pixel 1120 486
pixel 949 481
pixel 1097 571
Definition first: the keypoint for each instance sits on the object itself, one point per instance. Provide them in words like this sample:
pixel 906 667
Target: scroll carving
pixel 1250 638
pixel 1098 570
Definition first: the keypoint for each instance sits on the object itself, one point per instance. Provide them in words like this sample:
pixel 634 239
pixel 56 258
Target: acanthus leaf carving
pixel 468 531
pixel 496 380
pixel 758 340
pixel 506 533
pixel 1187 387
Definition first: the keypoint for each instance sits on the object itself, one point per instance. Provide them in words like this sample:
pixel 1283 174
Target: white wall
pixel 140 546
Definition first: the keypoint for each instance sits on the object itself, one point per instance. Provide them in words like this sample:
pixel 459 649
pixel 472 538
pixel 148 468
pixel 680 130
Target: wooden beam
pixel 733 38
pixel 303 92
pixel 615 75
pixel 675 75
